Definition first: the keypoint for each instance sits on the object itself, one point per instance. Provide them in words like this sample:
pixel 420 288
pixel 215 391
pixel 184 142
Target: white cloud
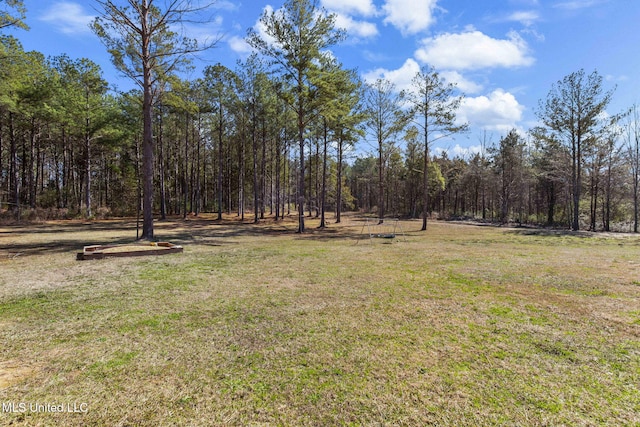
pixel 462 83
pixel 526 2
pixel 525 17
pixel 239 45
pixel 466 151
pixel 401 77
pixel 351 7
pixel 225 5
pixel 474 50
pixel 261 29
pixel 203 34
pixel 459 151
pixel 577 4
pixel 375 56
pixel 68 18
pixel 533 33
pixel 612 78
pixel 499 111
pixel 409 16
pixel 359 29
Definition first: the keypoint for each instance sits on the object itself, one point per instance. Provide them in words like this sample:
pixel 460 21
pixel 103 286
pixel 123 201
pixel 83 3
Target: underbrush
pixel 38 215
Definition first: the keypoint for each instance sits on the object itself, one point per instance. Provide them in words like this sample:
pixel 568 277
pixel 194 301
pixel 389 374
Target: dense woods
pixel 291 132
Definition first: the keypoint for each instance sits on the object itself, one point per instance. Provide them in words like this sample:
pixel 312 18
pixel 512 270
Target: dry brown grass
pixel 257 325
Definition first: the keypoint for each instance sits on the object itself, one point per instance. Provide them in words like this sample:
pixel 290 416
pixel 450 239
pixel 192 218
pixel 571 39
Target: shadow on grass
pixel 70 226
pixel 330 234
pixel 547 232
pixel 52 247
pixel 72 236
pixel 528 230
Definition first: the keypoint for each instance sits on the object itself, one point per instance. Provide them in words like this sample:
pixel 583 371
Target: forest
pixel 290 131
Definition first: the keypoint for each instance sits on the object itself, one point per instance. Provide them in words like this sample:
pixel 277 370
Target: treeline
pixel 66 144
pixel 580 168
pixel 518 180
pixel 283 135
pixel 69 147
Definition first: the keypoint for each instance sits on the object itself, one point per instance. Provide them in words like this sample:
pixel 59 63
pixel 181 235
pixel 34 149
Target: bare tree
pixel 385 119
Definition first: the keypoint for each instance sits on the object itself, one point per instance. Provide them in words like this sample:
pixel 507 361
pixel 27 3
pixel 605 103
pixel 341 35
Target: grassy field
pixel 461 325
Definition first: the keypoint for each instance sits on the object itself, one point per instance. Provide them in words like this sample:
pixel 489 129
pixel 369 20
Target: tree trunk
pixel 339 182
pixel 14 177
pixel 139 190
pixel 263 170
pixel 301 154
pixel 607 201
pixel 636 203
pixel 324 179
pixel 278 172
pixel 595 189
pixel 1 165
pixel 163 190
pixel 552 204
pixel 278 211
pixel 185 169
pixel 220 159
pixel 33 174
pixel 147 134
pixel 635 159
pixel 316 184
pixel 380 181
pixel 198 167
pixel 576 176
pixel 87 153
pixel 242 172
pixel 425 178
pixel 256 188
pixel 176 178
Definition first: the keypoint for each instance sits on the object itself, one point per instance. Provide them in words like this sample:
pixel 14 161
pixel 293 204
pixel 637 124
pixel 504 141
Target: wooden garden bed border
pixel 96 251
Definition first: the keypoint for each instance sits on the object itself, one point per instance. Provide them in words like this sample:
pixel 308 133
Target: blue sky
pixel 503 54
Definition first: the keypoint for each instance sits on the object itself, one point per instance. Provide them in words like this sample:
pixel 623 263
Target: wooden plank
pixel 96 251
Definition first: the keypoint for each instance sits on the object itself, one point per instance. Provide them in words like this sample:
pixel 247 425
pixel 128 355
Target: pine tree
pixel 572 112
pixel 13 14
pixel 301 31
pixel 144 47
pixel 434 108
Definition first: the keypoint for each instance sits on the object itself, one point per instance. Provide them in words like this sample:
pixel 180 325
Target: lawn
pixel 258 325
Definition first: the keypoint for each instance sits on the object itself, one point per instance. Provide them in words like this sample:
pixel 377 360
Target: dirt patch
pixel 13 372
